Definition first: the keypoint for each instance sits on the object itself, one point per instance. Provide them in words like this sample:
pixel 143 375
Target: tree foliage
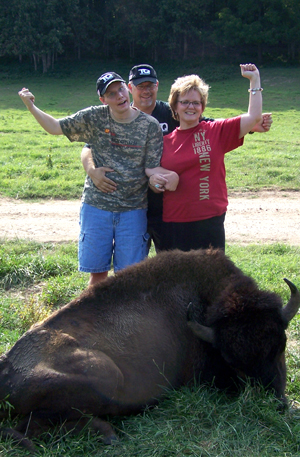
pixel 43 30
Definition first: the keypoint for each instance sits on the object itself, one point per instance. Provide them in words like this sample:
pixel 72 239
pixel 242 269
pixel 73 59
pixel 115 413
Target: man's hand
pixel 264 125
pixel 97 175
pixel 100 180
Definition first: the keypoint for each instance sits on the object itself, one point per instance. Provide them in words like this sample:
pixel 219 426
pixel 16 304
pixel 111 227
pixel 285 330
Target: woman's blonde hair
pixel 183 85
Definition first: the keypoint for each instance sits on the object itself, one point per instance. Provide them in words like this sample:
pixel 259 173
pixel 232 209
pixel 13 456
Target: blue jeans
pixel 106 236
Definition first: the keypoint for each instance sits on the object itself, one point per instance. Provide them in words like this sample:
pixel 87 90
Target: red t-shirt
pixel 197 155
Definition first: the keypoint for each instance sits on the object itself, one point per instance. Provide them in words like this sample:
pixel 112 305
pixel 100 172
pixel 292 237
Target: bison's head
pixel 247 326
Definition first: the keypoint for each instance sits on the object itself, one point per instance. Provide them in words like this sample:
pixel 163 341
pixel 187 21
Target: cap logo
pixel 107 77
pixel 144 71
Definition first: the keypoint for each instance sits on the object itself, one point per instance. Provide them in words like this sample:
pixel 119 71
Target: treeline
pixel 155 30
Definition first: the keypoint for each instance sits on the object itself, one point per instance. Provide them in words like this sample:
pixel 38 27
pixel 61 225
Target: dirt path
pixel 266 217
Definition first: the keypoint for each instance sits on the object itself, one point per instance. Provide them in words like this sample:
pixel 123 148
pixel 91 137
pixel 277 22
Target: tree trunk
pixel 291 50
pixel 259 53
pixel 49 54
pixel 34 61
pixel 106 46
pixel 185 46
pixel 44 60
pixel 154 53
pixel 131 49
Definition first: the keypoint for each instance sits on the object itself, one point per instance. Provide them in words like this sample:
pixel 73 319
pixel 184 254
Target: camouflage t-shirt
pixel 127 148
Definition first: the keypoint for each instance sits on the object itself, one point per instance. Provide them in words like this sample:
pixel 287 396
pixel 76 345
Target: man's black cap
pixel 142 73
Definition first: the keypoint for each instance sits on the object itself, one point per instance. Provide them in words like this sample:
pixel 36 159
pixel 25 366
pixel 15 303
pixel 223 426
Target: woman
pixel 194 214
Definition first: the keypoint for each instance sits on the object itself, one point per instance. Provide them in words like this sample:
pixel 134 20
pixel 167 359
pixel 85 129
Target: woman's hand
pixel 249 71
pixel 161 182
pixel 157 182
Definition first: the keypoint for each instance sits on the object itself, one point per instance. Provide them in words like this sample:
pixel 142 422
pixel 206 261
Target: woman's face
pixel 189 109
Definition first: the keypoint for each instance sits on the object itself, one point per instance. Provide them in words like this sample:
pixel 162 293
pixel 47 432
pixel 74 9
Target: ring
pixel 157 186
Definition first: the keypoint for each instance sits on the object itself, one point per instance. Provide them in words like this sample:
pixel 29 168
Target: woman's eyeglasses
pixel 186 103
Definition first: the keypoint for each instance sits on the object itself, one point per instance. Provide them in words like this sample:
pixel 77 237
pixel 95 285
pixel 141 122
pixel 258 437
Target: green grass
pixel 196 421
pixel 34 164
pixel 36 278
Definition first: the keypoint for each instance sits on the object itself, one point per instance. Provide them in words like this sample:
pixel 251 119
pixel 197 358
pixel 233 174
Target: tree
pixel 152 29
pixel 263 25
pixel 37 31
pixel 186 24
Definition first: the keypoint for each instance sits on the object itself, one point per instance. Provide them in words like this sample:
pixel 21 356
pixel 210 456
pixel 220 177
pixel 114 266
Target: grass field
pixel 36 278
pixel 35 164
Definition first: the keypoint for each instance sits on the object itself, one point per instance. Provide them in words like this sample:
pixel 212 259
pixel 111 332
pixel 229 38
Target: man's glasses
pixel 150 87
pixel 186 103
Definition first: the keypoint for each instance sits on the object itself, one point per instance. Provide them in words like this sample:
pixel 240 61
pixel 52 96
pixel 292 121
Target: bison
pixel 163 323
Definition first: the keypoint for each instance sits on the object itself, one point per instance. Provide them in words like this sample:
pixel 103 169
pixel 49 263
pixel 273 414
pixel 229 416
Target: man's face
pixel 117 97
pixel 144 95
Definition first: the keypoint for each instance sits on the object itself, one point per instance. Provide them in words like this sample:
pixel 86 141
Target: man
pixel 143 85
pixel 129 143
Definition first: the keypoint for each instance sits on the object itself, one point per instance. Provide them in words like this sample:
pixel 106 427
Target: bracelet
pixel 257 89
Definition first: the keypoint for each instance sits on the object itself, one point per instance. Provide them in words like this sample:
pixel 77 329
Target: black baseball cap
pixel 142 73
pixel 105 80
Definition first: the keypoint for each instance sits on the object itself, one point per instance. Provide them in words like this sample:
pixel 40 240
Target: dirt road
pixel 267 217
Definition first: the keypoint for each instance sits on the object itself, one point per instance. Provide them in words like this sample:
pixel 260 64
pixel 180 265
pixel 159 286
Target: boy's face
pixel 117 97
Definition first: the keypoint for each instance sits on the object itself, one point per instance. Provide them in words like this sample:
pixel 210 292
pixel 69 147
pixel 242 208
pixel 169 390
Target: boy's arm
pixel 49 123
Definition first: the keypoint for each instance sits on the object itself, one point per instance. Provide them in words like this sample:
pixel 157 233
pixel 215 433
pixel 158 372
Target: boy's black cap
pixel 105 80
pixel 142 73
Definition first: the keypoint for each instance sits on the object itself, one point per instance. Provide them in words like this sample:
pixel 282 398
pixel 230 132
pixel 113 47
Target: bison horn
pixel 291 309
pixel 201 331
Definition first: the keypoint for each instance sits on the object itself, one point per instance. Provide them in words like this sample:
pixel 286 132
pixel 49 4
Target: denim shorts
pixel 107 236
